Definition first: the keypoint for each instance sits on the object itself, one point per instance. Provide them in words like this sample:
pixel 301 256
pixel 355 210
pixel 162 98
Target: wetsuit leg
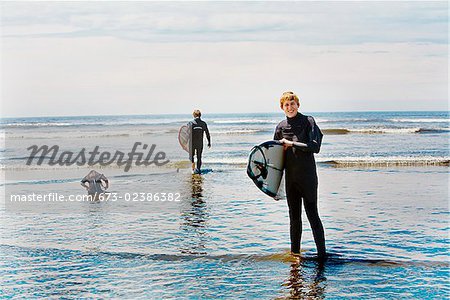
pixel 191 153
pixel 199 157
pixel 310 202
pixel 294 201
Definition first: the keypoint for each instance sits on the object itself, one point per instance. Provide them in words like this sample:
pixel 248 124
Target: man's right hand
pixel 286 143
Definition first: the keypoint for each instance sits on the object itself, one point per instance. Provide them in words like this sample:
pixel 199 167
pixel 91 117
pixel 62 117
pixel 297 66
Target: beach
pixel 383 200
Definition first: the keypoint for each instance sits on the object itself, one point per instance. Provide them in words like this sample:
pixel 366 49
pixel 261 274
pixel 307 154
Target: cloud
pixel 155 57
pixel 297 22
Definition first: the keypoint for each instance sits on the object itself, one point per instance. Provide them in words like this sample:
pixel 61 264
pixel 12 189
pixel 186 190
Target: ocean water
pixel 383 198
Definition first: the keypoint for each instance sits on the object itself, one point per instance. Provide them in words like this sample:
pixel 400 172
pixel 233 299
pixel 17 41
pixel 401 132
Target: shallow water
pixel 387 235
pixel 358 138
pixel 383 190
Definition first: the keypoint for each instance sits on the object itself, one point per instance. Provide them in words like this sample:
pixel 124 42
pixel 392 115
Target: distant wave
pixel 215 131
pixel 35 182
pixel 89 135
pixel 394 120
pixel 29 125
pixel 434 130
pixel 352 161
pixel 333 131
pixel 343 161
pixel 36 124
pixel 348 120
pixel 337 131
pixel 239 131
pixel 381 120
pixel 409 120
pixel 262 121
pixel 320 120
pixel 385 161
pixel 246 121
pixel 103 134
pixel 66 136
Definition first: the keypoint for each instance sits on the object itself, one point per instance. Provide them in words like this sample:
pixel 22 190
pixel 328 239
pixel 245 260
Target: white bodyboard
pixel 184 135
pixel 265 166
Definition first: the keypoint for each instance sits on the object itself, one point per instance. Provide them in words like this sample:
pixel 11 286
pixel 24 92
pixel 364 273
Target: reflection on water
pixel 197 186
pixel 302 285
pixel 223 240
pixel 194 214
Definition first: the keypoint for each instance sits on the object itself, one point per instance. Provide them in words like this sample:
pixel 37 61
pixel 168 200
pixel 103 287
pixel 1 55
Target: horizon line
pixel 217 113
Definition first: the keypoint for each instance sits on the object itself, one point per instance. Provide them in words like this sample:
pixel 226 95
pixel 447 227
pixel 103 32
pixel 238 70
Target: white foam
pixel 440 120
pixel 245 121
pixel 386 130
pixel 390 160
pixel 39 124
pixel 238 131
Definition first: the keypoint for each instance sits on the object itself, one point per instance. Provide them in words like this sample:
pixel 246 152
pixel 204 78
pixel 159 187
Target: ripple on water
pixel 214 246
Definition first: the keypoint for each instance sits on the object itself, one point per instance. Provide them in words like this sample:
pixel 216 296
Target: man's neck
pixel 290 118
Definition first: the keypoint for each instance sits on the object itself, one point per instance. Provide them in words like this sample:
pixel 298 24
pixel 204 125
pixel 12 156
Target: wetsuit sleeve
pixel 84 181
pixel 277 135
pixel 313 144
pixel 103 177
pixel 207 135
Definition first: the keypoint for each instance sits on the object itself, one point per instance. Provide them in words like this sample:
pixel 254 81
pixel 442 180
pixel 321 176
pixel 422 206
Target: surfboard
pixel 265 166
pixel 184 135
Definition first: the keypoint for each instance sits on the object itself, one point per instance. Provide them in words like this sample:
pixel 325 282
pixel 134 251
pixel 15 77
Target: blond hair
pixel 289 96
pixel 197 113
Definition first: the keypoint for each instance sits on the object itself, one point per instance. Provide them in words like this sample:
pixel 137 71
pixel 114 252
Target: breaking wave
pixel 406 120
pixel 336 131
pixel 385 161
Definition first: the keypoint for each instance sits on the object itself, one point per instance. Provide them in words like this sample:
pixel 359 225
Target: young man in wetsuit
pixel 198 127
pixel 301 139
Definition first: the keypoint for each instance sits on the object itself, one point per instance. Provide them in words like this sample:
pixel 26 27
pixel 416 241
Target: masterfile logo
pixel 91 158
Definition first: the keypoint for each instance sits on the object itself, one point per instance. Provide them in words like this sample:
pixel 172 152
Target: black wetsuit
pixel 301 177
pixel 198 126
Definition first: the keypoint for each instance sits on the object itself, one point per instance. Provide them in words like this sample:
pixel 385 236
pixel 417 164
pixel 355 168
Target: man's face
pixel 290 108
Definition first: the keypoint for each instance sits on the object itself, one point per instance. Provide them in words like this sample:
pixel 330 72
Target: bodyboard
pixel 265 166
pixel 184 136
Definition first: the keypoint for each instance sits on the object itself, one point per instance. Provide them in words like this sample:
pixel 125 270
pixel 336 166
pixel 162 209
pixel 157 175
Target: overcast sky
pixel 170 57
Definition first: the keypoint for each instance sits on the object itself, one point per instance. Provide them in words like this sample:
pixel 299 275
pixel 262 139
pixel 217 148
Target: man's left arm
pixel 207 135
pixel 314 136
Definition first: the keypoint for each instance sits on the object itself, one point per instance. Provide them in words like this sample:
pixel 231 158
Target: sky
pixel 120 58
